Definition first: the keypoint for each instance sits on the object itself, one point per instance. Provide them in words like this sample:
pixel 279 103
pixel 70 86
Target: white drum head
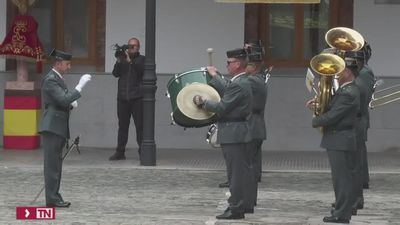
pixel 184 100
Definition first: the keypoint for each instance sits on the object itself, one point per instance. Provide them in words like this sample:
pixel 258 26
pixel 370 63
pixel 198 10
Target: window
pixel 293 33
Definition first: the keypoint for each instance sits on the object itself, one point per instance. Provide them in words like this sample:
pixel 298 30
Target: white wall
pixel 379 23
pixel 184 31
pixel 124 19
pixel 3 21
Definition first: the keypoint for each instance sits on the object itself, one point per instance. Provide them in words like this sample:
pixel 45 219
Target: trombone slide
pixel 383 100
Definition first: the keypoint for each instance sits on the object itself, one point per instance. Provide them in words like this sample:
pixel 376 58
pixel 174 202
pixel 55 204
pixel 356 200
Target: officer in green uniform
pixel 257 79
pixel 234 134
pixel 339 139
pixel 54 128
pixel 365 81
pixel 368 78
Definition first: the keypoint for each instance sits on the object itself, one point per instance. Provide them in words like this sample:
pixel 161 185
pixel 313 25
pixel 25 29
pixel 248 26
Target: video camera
pixel 121 49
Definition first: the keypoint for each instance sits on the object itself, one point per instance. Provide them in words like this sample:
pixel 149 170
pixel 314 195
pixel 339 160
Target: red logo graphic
pixel 35 213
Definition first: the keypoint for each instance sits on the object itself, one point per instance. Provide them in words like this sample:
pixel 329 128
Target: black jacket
pixel 130 78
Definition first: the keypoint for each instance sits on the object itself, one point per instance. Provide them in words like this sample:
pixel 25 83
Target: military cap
pixel 253 43
pixel 60 55
pixel 238 53
pixel 255 50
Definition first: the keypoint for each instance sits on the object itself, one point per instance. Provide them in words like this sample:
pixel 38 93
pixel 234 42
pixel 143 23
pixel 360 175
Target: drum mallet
pixel 210 51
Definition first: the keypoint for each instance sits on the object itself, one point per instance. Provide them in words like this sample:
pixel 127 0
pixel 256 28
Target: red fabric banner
pixel 22 102
pixel 21 142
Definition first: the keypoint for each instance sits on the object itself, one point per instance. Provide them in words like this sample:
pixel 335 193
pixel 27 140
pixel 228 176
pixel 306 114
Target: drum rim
pixel 202 69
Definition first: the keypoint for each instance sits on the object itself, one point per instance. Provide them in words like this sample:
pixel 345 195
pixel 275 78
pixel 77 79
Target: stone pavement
pixel 182 189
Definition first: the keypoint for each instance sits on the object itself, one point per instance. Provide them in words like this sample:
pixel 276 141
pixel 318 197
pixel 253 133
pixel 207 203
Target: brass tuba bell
pixel 327 65
pixel 344 39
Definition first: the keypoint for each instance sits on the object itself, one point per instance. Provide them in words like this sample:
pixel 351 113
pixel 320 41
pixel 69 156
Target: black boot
pixel 224 184
pixel 117 156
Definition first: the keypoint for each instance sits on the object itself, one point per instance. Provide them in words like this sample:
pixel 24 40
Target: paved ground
pixel 182 188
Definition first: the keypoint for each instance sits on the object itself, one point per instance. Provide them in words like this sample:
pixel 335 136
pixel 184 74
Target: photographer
pixel 129 69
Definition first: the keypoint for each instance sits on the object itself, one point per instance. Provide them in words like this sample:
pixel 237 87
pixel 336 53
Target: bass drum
pixel 181 89
pixel 211 137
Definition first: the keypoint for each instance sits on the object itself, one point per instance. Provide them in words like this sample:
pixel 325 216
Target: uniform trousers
pixel 255 150
pixel 342 179
pixel 358 172
pixel 238 162
pixel 257 158
pixel 53 145
pixel 365 170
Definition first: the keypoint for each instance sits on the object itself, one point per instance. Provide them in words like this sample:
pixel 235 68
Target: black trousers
pixel 53 145
pixel 125 110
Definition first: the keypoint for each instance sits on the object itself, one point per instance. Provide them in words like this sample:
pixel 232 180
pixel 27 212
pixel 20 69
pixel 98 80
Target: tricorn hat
pixel 60 55
pixel 238 53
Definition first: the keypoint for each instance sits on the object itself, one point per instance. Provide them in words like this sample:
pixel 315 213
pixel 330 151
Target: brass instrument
pixel 329 65
pixel 385 99
pixel 344 39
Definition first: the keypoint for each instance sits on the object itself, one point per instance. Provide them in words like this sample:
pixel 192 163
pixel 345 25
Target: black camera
pixel 121 49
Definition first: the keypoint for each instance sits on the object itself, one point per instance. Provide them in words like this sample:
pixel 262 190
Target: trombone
pixel 392 95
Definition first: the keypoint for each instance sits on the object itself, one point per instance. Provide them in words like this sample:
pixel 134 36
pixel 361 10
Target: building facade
pixel 291 33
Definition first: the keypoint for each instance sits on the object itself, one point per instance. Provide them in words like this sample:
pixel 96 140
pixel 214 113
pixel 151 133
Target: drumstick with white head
pixel 210 52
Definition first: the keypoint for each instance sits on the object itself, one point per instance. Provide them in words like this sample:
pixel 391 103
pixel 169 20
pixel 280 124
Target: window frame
pixel 92 35
pixel 256 20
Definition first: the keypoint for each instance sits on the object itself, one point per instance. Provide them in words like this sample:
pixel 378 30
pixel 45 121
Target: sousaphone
pixel 329 65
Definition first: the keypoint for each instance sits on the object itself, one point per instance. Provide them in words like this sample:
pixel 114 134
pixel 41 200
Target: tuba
pixel 329 65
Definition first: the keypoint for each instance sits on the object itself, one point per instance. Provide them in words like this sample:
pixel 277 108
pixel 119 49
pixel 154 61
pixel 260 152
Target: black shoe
pixel 334 219
pixel 60 204
pixel 360 203
pixel 366 186
pixel 117 156
pixel 224 185
pixel 251 211
pixel 354 211
pixel 228 215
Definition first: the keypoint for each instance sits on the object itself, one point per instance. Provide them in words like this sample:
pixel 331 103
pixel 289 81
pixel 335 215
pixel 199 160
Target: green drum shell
pixel 175 85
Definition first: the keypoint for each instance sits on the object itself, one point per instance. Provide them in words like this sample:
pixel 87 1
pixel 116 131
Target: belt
pixel 343 128
pixel 56 108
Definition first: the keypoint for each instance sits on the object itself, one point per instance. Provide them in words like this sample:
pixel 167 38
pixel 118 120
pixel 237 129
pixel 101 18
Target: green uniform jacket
pixel 233 110
pixel 366 82
pixel 340 119
pixel 57 100
pixel 219 83
pixel 257 122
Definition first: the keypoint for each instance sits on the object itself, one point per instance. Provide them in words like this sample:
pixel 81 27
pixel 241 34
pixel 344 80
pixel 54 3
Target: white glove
pixel 74 104
pixel 82 82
